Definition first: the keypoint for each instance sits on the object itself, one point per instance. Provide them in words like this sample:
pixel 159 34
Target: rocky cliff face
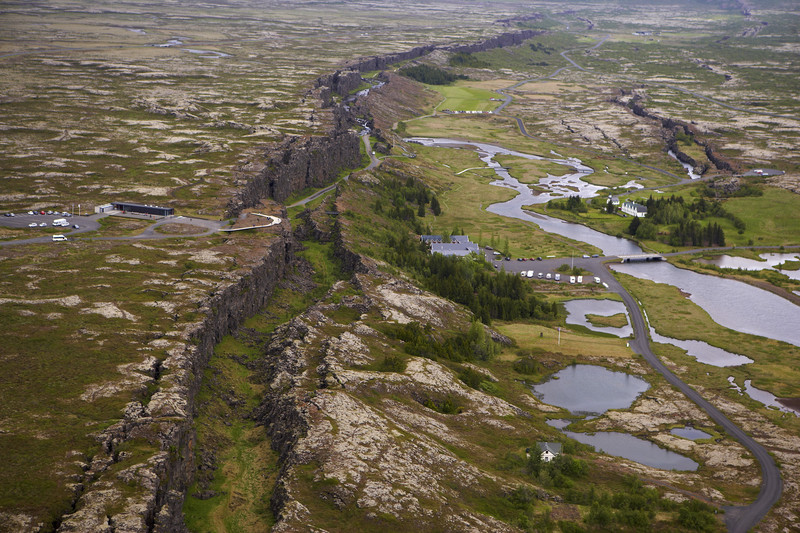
pixel 156 486
pixel 295 164
pixel 670 127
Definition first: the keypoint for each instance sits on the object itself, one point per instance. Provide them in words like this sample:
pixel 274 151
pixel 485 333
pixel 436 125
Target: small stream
pixel 689 168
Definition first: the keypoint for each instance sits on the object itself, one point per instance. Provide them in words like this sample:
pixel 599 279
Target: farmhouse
pixel 549 450
pixel 634 209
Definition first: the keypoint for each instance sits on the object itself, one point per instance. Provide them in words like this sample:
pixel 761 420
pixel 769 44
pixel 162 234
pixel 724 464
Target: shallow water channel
pixel 770 262
pixel 592 390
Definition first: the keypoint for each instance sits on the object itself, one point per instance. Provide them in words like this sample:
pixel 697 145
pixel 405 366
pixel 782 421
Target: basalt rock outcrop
pixel 295 164
pixel 671 127
pixel 161 480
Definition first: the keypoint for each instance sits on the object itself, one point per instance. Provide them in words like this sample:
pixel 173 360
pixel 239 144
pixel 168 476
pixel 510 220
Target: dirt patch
pixel 175 228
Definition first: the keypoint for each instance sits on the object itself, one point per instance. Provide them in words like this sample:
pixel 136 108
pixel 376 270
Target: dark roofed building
pixel 127 207
pixel 430 238
pixel 454 248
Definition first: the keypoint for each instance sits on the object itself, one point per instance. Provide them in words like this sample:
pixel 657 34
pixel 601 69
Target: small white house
pixel 614 200
pixel 634 209
pixel 548 450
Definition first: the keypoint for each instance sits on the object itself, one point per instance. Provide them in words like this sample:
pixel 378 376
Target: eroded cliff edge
pixel 120 492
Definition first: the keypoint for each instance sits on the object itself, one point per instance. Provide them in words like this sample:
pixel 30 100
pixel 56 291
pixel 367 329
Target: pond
pixel 629 447
pixel 765 397
pixel 688 432
pixel 578 309
pixel 590 389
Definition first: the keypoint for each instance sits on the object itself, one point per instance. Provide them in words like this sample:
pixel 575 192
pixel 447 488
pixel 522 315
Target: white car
pixel 558 277
pixel 530 273
pixel 596 279
pixel 31 213
pixel 43 225
pixel 549 275
pixel 33 225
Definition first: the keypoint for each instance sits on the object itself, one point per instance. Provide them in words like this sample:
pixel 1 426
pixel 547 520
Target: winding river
pixel 732 304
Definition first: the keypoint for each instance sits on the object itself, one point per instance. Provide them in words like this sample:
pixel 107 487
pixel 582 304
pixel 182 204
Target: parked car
pixel 538 258
pixel 596 279
pixel 33 225
pixel 558 277
pixel 76 226
pixel 586 256
pixel 541 274
pixel 41 212
pixel 43 225
pixel 572 279
pixel 30 212
pixel 595 256
pixel 549 275
pixel 580 279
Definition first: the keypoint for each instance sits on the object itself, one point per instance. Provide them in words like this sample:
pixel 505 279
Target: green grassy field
pixel 461 97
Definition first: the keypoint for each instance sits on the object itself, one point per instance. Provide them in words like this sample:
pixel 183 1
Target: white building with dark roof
pixel 634 209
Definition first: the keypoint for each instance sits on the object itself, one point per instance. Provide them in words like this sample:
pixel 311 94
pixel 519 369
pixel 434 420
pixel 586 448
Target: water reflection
pixel 690 433
pixel 590 389
pixel 771 261
pixel 578 309
pixel 732 304
pixel 629 447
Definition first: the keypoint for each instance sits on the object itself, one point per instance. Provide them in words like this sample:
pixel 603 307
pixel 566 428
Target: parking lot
pixel 548 265
pixel 37 220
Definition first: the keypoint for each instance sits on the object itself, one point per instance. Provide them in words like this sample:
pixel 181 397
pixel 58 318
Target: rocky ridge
pixel 362 438
pixel 157 485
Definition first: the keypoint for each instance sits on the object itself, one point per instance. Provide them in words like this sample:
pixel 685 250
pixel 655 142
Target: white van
pixel 572 279
pixel 580 279
pixel 60 222
pixel 558 277
pixel 59 238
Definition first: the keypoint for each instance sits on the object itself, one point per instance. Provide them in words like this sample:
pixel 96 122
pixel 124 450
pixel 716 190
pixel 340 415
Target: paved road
pixel 737 519
pixel 92 223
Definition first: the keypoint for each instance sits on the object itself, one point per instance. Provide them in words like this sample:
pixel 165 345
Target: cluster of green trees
pixel 430 75
pixel 487 293
pixel 557 473
pixel 475 284
pixel 573 203
pixel 685 219
pixel 464 59
pixel 409 191
pixel 539 47
pixel 635 507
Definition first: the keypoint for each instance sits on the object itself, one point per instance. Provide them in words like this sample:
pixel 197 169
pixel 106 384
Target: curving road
pixel 737 519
